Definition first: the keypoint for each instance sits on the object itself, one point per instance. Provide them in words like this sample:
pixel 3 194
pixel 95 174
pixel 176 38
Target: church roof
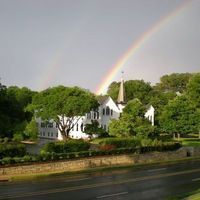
pixel 102 99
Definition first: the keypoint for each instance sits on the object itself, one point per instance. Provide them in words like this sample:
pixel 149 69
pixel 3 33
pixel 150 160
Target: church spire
pixel 121 95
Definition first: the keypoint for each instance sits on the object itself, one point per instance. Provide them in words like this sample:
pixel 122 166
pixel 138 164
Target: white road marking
pixel 74 180
pixel 196 179
pixel 155 170
pixel 112 195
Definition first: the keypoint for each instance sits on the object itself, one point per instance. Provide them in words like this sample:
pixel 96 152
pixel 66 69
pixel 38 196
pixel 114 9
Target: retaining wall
pixel 88 163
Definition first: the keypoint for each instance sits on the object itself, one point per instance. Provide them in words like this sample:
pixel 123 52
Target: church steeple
pixel 121 95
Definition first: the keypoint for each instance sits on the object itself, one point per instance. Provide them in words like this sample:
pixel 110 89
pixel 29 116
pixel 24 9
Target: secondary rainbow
pixel 137 44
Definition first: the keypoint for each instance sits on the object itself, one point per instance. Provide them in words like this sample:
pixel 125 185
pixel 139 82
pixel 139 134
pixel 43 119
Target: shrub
pixel 121 142
pixel 7 160
pixel 66 146
pixel 107 147
pixel 12 150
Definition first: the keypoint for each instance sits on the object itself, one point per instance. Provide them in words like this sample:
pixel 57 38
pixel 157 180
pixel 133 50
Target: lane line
pixel 81 179
pixel 90 186
pixel 196 179
pixel 155 170
pixel 111 195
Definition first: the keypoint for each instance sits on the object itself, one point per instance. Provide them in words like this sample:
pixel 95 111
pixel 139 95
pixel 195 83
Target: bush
pixel 7 160
pixel 12 150
pixel 66 146
pixel 121 143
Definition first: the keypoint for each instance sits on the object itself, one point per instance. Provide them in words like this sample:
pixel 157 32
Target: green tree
pixel 134 89
pixel 93 128
pixel 131 122
pixel 193 90
pixel 64 105
pixel 175 82
pixel 113 90
pixel 31 130
pixel 180 116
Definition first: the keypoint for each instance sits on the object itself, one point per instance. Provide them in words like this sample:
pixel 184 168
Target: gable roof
pixel 102 99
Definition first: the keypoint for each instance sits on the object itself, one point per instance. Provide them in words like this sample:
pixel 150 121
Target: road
pixel 155 182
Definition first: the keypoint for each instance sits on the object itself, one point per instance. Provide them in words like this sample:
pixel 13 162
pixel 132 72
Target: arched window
pixel 97 115
pixel 82 127
pixel 107 110
pixel 88 115
pixel 111 112
pixel 103 111
pixel 76 127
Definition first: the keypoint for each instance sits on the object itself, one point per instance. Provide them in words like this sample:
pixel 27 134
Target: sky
pixel 45 43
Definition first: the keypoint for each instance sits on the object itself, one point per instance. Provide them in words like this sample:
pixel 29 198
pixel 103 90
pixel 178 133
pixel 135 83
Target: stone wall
pixel 88 163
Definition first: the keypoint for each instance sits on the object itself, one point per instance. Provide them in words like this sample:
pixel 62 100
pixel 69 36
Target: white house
pixel 106 111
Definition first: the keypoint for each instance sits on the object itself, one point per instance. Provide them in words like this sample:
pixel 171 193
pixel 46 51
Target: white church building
pixel 107 110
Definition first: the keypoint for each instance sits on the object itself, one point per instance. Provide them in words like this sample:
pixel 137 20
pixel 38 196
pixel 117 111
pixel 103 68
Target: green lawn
pixel 192 142
pixel 195 195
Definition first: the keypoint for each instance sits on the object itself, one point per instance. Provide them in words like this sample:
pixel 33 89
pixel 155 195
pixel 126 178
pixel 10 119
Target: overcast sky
pixel 76 42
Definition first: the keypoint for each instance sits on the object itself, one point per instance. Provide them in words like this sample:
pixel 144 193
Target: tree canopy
pixel 65 105
pixel 134 89
pixel 175 82
pixel 131 122
pixel 180 116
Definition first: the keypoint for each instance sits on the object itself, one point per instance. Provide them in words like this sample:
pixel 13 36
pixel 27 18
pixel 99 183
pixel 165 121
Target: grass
pixel 190 142
pixel 194 195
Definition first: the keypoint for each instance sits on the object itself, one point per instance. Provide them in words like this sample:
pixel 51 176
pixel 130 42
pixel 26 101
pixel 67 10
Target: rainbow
pixel 137 44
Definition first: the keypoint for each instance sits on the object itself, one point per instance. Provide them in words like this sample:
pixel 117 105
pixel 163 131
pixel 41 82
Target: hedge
pixel 12 150
pixel 82 154
pixel 66 146
pixel 121 142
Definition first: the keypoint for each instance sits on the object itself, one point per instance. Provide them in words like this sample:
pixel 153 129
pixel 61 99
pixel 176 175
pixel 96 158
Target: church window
pixel 94 115
pixel 43 125
pixel 76 127
pixel 107 110
pixel 111 112
pixel 97 115
pixel 88 115
pixel 103 111
pixel 50 125
pixel 82 127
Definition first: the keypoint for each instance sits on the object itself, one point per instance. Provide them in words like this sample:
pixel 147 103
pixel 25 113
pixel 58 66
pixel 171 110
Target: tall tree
pixel 180 116
pixel 64 105
pixel 131 122
pixel 175 82
pixel 134 89
pixel 193 90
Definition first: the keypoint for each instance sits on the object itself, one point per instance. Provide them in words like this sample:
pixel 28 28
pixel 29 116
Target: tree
pixel 134 89
pixel 64 105
pixel 174 82
pixel 180 116
pixel 94 129
pixel 193 90
pixel 31 130
pixel 131 122
pixel 113 90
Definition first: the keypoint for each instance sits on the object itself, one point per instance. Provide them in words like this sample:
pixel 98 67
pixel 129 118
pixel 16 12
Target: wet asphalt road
pixel 155 182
